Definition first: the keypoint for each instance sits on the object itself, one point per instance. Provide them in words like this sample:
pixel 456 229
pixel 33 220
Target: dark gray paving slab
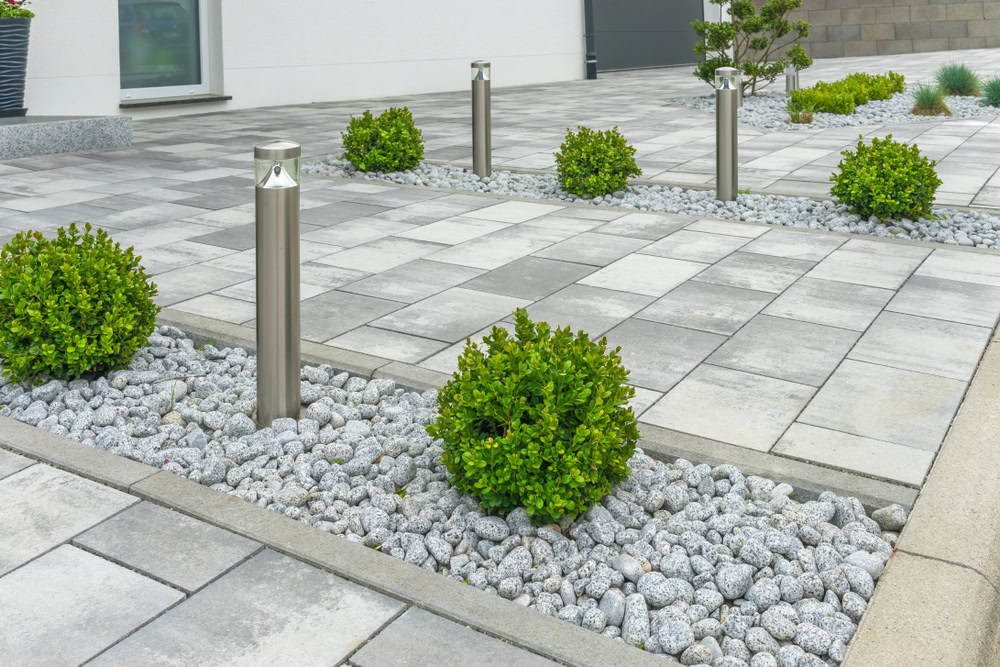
pixel 731 406
pixel 593 249
pixel 44 507
pixel 762 273
pixel 872 401
pixel 786 349
pixel 169 546
pixel 590 309
pixel 69 605
pixel 795 245
pixel 923 344
pixel 418 638
pixel 870 263
pixel 695 246
pixel 832 303
pixel 11 463
pixel 337 212
pixel 452 315
pixel 708 307
pixel 271 610
pixel 333 313
pixel 530 278
pixel 657 355
pixel 956 301
pixel 413 281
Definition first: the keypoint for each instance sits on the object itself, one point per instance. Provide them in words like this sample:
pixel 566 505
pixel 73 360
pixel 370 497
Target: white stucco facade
pixel 266 53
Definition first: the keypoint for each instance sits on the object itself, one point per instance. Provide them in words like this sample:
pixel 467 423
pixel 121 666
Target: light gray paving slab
pixel 644 274
pixel 717 308
pixel 861 262
pixel 44 507
pixel 530 278
pixel 870 457
pixel 590 309
pixel 451 315
pixel 728 228
pixel 730 406
pixel 380 254
pixel 69 605
pixel 965 302
pixel 591 248
pixel 643 399
pixel 219 307
pixel 195 280
pixel 658 355
pixel 795 244
pixel 490 251
pixel 832 303
pixel 413 281
pixel 419 638
pixel 513 211
pixel 264 612
pixel 762 273
pixel 923 344
pixel 337 212
pixel 883 403
pixel 446 361
pixel 786 349
pixel 356 232
pixel 645 225
pixel 11 463
pixel 388 344
pixel 695 246
pixel 168 546
pixel 333 313
pixel 969 267
pixel 453 231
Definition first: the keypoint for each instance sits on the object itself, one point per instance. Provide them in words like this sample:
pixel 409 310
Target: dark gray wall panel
pixel 645 33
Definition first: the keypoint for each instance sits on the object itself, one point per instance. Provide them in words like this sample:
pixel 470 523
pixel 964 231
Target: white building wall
pixel 301 51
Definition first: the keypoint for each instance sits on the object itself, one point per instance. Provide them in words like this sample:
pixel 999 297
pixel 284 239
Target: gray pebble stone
pixel 613 606
pixel 891 518
pixel 491 528
pixel 734 580
pixel 812 639
pixel 697 654
pixel 635 624
pixel 675 636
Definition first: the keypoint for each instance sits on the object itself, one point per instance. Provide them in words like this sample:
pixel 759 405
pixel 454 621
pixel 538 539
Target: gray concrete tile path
pixel 99 577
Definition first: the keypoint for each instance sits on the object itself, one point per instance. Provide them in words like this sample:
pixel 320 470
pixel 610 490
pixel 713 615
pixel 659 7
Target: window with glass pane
pixel 159 43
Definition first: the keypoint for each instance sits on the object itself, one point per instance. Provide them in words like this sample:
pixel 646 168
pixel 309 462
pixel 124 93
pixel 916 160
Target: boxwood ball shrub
pixel 887 179
pixel 539 419
pixel 592 164
pixel 70 305
pixel 387 142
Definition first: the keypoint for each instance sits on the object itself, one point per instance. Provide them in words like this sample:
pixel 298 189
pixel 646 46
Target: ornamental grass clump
pixel 593 164
pixel 384 143
pixel 958 79
pixel 539 420
pixel 991 92
pixel 887 179
pixel 71 305
pixel 929 101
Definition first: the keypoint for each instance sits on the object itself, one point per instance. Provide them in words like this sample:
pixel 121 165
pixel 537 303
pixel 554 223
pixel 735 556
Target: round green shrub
pixel 887 179
pixel 592 164
pixel 539 420
pixel 387 142
pixel 70 305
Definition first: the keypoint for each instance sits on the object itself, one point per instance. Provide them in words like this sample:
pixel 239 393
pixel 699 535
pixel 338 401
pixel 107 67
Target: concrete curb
pixel 492 615
pixel 939 603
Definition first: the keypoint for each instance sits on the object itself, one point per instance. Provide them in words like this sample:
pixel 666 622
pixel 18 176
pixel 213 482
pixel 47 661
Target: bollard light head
pixel 791 71
pixel 727 78
pixel 481 70
pixel 276 164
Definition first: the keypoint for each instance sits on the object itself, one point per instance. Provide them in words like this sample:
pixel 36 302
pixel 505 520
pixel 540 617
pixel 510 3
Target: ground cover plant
pixel 958 79
pixel 929 101
pixel 592 164
pixel 751 42
pixel 539 420
pixel 71 305
pixel 843 96
pixel 388 142
pixel 886 179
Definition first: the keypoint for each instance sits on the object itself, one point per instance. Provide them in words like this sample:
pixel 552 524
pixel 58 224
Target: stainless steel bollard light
pixel 276 170
pixel 791 79
pixel 739 89
pixel 482 160
pixel 726 89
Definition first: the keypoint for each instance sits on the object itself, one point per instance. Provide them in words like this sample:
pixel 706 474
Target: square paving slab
pixel 262 613
pixel 169 546
pixel 795 245
pixel 44 507
pixel 717 308
pixel 74 604
pixel 762 273
pixel 11 463
pixel 953 300
pixel 451 316
pixel 832 303
pixel 419 639
pixel 870 263
pixel 593 249
pixel 530 278
pixel 644 274
pixel 695 246
pixel 659 355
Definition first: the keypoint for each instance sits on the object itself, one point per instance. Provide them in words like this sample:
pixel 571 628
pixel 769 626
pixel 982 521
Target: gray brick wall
pixel 885 27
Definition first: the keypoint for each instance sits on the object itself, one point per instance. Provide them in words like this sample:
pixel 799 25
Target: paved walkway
pixel 89 574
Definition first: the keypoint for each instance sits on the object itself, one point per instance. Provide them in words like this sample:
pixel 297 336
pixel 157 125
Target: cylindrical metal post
pixel 590 39
pixel 739 90
pixel 791 79
pixel 726 90
pixel 482 160
pixel 276 168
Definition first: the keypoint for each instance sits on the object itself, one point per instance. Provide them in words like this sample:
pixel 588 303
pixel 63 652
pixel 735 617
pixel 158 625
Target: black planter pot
pixel 13 65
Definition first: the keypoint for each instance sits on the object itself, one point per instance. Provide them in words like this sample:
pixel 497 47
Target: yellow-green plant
pixel 70 305
pixel 387 142
pixel 591 164
pixel 539 420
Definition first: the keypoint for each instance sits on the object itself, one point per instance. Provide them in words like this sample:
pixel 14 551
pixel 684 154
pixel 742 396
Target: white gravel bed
pixel 703 564
pixel 769 110
pixel 967 228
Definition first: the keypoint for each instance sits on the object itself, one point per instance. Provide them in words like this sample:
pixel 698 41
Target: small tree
pixel 750 40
